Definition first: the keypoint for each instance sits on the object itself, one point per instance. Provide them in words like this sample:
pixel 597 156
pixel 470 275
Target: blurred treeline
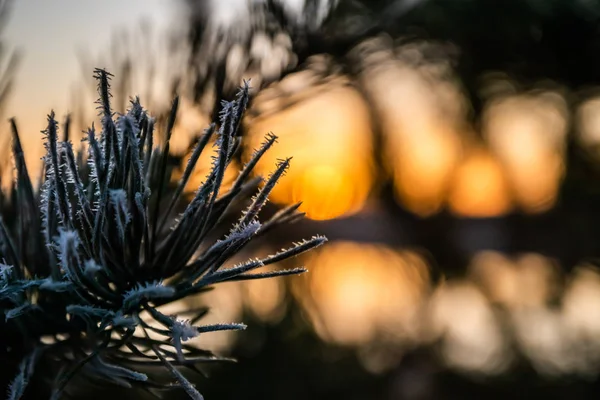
pixel 482 195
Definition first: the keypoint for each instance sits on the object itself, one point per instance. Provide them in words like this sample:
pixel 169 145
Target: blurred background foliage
pixel 449 149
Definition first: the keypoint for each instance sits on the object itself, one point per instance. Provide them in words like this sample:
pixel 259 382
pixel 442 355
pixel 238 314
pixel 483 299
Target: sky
pixel 49 32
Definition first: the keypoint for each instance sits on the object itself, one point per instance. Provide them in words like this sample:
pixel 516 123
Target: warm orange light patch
pixel 527 133
pixel 480 188
pixel 423 166
pixel 421 115
pixel 330 189
pixel 358 293
pixel 329 137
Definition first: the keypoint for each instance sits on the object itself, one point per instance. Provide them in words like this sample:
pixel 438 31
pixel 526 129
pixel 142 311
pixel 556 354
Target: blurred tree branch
pixel 9 62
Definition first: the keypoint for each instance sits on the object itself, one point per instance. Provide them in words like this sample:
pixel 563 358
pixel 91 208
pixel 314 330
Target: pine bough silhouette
pixel 91 251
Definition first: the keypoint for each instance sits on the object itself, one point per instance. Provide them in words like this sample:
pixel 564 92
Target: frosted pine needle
pixel 97 247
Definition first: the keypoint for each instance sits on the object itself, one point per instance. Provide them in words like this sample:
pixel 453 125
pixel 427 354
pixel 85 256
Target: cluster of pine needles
pixel 99 243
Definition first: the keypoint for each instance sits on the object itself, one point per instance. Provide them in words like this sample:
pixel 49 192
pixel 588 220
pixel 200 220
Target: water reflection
pixel 357 294
pixel 383 302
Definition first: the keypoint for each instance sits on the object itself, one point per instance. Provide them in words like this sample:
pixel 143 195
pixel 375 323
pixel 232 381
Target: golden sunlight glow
pixel 319 182
pixel 423 166
pixel 421 115
pixel 527 133
pixel 361 293
pixel 328 134
pixel 479 188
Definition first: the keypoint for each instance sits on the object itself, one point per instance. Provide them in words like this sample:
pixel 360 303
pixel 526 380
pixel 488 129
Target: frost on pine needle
pixel 89 257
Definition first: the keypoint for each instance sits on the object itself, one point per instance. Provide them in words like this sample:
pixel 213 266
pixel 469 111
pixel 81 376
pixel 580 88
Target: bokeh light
pixel 587 119
pixel 421 113
pixel 528 134
pixel 471 336
pixel 479 187
pixel 327 131
pixel 357 293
